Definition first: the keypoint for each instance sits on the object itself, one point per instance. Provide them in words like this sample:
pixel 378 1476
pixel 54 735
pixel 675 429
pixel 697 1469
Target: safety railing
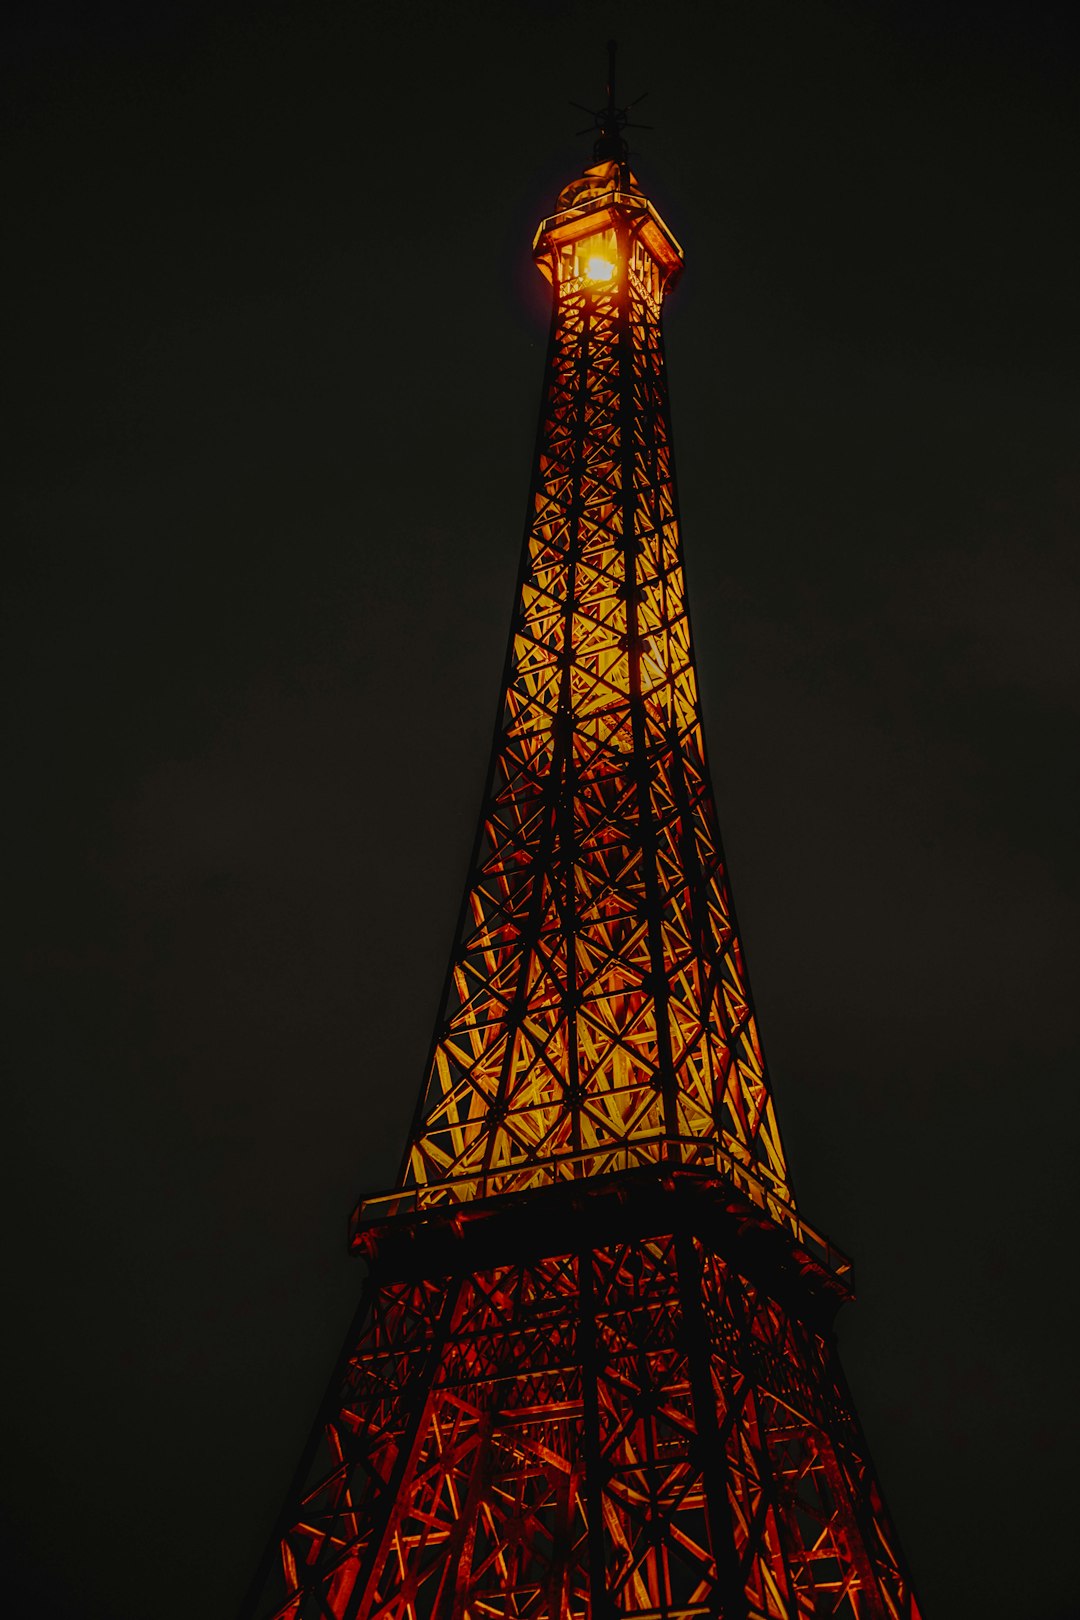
pixel 591 1163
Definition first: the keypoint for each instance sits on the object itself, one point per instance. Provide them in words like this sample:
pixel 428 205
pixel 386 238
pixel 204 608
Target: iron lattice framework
pixel 592 1377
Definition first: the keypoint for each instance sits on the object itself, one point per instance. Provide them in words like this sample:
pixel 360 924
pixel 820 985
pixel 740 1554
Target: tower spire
pixel 610 120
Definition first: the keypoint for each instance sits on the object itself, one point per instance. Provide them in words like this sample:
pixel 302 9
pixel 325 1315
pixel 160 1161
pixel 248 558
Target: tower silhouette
pixel 593 1374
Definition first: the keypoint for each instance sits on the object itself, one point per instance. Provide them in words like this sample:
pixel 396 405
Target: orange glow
pixel 598 269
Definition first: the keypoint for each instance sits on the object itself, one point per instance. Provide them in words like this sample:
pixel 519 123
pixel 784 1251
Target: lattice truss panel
pixel 634 1432
pixel 597 1002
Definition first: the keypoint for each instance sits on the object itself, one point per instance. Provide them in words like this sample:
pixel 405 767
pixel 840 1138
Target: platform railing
pixel 593 1163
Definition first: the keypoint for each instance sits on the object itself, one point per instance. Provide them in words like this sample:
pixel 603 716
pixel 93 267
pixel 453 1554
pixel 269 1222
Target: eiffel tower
pixel 592 1376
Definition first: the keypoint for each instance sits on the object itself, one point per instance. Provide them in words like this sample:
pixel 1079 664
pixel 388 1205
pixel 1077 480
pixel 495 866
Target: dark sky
pixel 273 355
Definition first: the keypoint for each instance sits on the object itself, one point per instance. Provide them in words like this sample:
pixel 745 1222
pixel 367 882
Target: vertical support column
pixel 391 1503
pixel 600 1606
pixel 630 361
pixel 868 1532
pixel 730 1576
pixel 328 1406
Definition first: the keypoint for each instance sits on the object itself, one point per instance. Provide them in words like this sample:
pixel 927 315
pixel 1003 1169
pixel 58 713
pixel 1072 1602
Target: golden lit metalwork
pixel 597 1014
pixel 593 1375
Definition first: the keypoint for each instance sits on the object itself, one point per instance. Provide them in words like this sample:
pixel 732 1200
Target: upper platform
pixel 603 223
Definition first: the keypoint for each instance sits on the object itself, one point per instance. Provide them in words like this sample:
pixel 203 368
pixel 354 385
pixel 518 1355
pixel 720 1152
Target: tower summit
pixel 592 1376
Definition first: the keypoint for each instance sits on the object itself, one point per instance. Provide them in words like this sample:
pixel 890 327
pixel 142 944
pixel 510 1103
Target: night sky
pixel 273 355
